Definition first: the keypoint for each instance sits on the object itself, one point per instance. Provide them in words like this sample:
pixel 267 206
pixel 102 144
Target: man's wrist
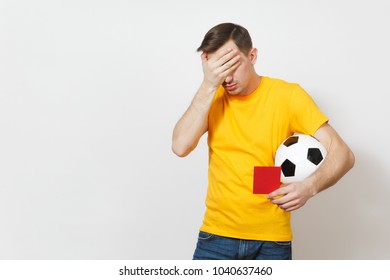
pixel 208 87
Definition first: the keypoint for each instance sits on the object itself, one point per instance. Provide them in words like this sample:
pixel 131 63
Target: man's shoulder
pixel 279 85
pixel 279 82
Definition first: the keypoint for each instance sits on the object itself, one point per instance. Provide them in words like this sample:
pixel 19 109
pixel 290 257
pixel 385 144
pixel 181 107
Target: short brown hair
pixel 217 36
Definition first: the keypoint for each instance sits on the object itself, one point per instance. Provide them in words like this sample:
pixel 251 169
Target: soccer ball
pixel 299 156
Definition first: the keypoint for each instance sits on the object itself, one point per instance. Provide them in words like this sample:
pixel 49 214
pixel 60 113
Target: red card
pixel 266 179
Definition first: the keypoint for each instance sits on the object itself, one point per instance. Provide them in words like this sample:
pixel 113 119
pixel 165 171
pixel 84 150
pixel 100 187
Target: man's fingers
pixel 227 57
pixel 232 61
pixel 217 67
pixel 281 191
pixel 291 206
pixel 222 61
pixel 228 68
pixel 223 56
pixel 281 200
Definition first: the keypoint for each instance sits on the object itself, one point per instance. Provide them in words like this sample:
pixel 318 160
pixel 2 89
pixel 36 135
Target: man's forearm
pixel 338 162
pixel 193 124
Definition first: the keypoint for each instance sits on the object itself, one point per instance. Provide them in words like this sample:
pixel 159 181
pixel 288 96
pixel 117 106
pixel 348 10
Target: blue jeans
pixel 215 247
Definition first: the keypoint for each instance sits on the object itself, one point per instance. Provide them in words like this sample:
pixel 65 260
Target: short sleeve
pixel 306 116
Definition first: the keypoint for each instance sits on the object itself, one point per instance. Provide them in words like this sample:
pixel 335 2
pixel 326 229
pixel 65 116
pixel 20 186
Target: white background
pixel 90 92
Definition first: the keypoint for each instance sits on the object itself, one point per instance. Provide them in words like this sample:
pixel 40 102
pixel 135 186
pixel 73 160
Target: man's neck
pixel 253 84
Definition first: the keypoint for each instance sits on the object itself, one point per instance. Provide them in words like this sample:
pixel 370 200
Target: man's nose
pixel 228 79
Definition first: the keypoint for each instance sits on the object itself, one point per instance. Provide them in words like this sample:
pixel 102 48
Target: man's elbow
pixel 180 150
pixel 351 159
pixel 348 158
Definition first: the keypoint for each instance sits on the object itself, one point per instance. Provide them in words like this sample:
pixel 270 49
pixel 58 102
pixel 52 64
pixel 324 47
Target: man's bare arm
pixel 338 162
pixel 193 124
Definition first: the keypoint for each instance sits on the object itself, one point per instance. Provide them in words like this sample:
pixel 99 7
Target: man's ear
pixel 205 56
pixel 253 56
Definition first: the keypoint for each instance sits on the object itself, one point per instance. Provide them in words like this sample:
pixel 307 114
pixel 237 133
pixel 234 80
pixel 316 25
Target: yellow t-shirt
pixel 243 132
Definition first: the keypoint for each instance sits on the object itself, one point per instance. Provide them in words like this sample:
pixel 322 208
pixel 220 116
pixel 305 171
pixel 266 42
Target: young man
pixel 247 116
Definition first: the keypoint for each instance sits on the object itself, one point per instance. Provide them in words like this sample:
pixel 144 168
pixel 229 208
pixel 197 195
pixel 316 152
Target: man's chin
pixel 233 92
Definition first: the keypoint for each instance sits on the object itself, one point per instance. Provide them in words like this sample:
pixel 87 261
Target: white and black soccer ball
pixel 299 156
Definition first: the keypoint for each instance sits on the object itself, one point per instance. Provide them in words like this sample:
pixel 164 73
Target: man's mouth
pixel 230 86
